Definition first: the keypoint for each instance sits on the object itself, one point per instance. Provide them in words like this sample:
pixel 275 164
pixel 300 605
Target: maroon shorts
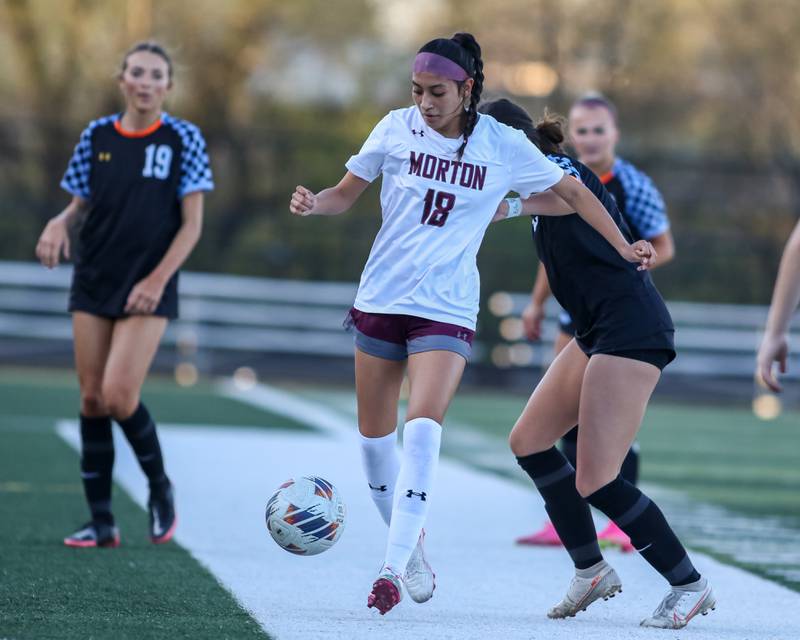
pixel 394 337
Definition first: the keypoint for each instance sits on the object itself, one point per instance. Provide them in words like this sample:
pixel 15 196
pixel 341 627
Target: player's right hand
pixel 303 201
pixel 532 317
pixel 773 349
pixel 53 242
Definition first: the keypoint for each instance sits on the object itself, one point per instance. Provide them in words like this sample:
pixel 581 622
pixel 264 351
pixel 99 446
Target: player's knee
pixel 92 404
pixel 516 442
pixel 120 399
pixel 523 441
pixel 587 481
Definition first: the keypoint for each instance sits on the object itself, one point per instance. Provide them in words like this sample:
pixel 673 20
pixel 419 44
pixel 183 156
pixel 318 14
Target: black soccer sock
pixel 554 477
pixel 569 446
pixel 97 464
pixel 140 430
pixel 642 520
pixel 630 465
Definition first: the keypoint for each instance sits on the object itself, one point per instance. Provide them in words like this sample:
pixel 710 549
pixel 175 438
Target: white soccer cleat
pixel 682 604
pixel 582 592
pixel 419 578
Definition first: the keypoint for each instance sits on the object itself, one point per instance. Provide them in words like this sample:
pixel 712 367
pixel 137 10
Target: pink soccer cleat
pixel 387 591
pixel 546 537
pixel 613 536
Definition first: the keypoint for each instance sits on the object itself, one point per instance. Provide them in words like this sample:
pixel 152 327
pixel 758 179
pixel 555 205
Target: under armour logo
pixel 420 133
pixel 535 223
pixel 381 488
pixel 411 493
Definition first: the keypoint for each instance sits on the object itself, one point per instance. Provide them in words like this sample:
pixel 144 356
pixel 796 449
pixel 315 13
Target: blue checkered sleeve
pixel 644 206
pixel 79 169
pixel 195 167
pixel 566 164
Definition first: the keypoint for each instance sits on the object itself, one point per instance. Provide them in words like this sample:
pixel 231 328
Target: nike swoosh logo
pixel 157 528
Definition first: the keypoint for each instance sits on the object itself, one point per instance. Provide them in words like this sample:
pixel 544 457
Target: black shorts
pixel 107 300
pixel 657 357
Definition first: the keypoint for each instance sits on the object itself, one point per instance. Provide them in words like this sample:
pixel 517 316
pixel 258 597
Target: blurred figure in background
pixel 138 178
pixel 785 298
pixel 594 134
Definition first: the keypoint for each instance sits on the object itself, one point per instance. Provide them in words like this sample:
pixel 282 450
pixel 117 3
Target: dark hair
pixel 465 51
pixel 596 100
pixel 151 47
pixel 471 46
pixel 547 134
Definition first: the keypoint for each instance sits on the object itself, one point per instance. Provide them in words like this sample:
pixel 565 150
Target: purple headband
pixel 440 66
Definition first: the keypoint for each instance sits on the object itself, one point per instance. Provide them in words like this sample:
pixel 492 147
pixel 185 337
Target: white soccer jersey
pixel 435 211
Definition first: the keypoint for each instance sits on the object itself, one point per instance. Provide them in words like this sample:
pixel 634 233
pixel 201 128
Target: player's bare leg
pixel 613 401
pixel 92 343
pixel 433 379
pixel 133 346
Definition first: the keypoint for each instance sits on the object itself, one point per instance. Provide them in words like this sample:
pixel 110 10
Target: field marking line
pixel 289 405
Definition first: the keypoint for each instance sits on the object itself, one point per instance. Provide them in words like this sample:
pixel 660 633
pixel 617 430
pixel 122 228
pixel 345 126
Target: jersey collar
pixel 608 176
pixel 141 133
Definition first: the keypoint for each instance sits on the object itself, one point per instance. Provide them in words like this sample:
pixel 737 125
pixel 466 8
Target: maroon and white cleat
pixel 387 591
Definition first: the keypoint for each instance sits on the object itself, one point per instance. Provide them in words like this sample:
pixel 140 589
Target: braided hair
pixel 470 44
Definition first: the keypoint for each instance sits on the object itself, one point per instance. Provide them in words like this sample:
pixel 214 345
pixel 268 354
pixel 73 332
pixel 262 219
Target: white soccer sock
pixel 421 440
pixel 381 466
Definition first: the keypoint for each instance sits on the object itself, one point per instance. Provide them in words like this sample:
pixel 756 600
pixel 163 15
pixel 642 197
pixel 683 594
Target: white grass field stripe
pixel 289 405
pixel 769 541
pixel 487 588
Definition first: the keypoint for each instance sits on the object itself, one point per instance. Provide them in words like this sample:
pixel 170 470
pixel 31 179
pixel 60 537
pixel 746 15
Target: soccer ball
pixel 306 516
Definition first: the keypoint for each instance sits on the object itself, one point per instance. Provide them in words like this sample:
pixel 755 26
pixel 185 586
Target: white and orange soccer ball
pixel 306 516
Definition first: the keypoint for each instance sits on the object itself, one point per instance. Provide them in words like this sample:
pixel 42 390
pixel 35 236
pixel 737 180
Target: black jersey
pixel 134 185
pixel 614 306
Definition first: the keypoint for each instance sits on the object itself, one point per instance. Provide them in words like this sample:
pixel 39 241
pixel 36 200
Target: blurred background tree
pixel 708 94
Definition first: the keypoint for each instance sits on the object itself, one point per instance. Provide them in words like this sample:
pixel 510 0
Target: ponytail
pixel 470 45
pixel 550 133
pixel 547 134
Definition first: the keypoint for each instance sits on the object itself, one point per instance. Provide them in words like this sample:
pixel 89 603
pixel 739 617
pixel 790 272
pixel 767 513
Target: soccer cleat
pixel 613 536
pixel 547 536
pixel 161 508
pixel 94 534
pixel 582 592
pixel 419 578
pixel 387 591
pixel 682 604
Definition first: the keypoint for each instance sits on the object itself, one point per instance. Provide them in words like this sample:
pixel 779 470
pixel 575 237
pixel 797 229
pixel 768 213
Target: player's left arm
pixel 146 294
pixel 588 207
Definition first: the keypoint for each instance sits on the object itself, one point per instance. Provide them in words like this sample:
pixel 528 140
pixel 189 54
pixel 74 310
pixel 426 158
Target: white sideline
pixel 487 587
pixel 291 406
